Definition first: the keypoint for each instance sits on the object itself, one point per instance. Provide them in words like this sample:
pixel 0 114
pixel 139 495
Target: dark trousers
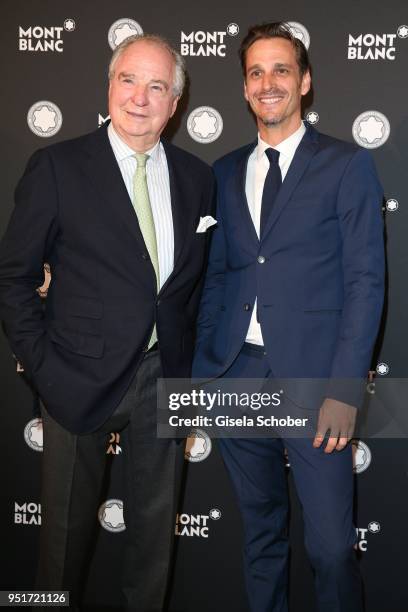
pixel 74 476
pixel 324 483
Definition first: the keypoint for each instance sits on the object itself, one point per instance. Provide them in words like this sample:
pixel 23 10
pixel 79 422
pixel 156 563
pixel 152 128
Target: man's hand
pixel 340 419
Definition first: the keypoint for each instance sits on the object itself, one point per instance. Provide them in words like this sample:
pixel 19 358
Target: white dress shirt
pixel 257 169
pixel 158 184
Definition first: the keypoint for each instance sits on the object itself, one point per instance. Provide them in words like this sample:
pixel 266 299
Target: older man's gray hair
pixel 179 65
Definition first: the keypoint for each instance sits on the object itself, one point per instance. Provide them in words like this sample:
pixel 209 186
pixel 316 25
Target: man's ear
pixel 245 91
pixel 174 105
pixel 306 83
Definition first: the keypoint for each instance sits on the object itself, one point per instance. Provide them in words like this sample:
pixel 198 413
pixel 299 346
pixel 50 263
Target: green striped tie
pixel 141 204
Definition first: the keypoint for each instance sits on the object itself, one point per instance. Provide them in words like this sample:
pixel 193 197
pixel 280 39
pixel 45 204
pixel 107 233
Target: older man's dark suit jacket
pixel 73 211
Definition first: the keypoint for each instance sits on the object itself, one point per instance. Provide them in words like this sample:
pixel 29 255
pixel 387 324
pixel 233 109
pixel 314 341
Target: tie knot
pixel 272 155
pixel 141 159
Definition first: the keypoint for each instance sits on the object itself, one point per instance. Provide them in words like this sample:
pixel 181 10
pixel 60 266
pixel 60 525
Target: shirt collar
pixel 287 147
pixel 122 150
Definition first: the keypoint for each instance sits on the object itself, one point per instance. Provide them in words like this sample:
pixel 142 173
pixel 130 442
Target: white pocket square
pixel 205 223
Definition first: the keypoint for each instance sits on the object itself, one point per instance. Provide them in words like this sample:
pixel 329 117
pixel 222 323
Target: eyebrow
pixel 283 65
pixel 277 65
pixel 164 83
pixel 132 75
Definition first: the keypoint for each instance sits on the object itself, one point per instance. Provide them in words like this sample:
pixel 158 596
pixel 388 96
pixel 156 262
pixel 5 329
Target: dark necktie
pixel 273 182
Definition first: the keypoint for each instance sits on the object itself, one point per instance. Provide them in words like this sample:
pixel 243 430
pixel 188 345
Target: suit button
pixel 261 259
pixel 145 256
pixel 247 306
pixel 158 302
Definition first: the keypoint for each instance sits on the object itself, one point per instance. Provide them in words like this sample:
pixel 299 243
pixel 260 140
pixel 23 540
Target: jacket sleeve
pixel 24 249
pixel 359 204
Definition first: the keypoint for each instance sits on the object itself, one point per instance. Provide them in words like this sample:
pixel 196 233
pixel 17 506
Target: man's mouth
pixel 271 97
pixel 135 115
pixel 270 100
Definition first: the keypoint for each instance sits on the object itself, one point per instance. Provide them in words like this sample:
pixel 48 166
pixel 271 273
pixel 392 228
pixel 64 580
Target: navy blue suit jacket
pixel 72 210
pixel 320 288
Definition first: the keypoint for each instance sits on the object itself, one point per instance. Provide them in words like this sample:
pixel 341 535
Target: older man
pixel 115 214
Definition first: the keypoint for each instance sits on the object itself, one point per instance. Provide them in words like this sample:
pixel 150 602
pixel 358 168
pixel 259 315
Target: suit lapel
pixel 180 208
pixel 304 153
pixel 104 172
pixel 183 211
pixel 238 192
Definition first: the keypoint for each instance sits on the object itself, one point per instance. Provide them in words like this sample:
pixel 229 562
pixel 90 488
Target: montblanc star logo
pixel 110 515
pixel 374 527
pixel 382 369
pixel 402 31
pixel 121 29
pixel 215 514
pixel 69 25
pixel 114 515
pixel 233 29
pixel 198 445
pixel 33 434
pixel 44 118
pixel 312 117
pixel 391 205
pixel 123 32
pixel 361 456
pixel 204 124
pixel 371 129
pixel 299 31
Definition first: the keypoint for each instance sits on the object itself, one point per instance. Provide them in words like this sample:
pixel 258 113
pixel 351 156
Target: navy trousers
pixel 324 483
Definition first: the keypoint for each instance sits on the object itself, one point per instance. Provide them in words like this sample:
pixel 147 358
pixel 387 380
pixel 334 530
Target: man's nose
pixel 139 96
pixel 268 81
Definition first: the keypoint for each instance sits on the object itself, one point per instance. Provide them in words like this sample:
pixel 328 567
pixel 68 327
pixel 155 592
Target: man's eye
pixel 255 74
pixel 282 70
pixel 127 81
pixel 157 87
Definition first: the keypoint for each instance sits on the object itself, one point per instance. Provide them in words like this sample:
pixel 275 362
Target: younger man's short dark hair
pixel 277 29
